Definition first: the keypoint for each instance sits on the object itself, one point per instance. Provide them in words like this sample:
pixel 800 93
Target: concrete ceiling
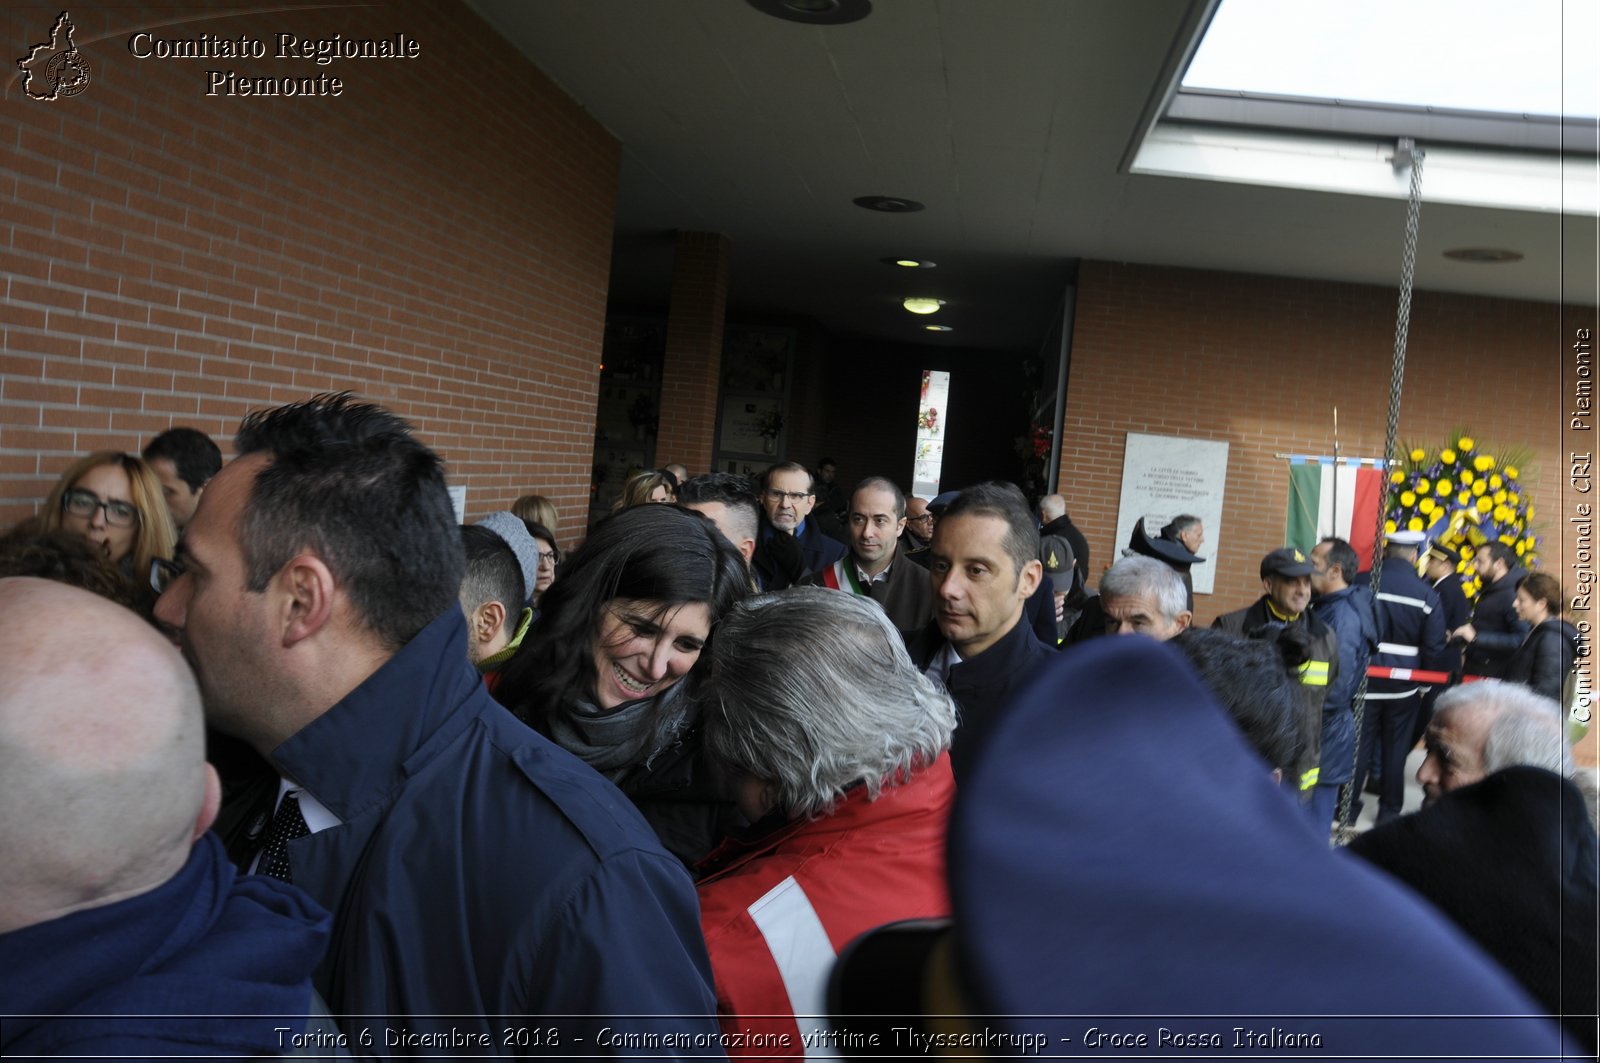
pixel 1009 119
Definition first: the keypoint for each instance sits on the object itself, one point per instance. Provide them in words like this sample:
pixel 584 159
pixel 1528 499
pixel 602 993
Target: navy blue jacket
pixel 209 963
pixel 982 685
pixel 1456 612
pixel 1348 612
pixel 1411 630
pixel 817 551
pixel 482 873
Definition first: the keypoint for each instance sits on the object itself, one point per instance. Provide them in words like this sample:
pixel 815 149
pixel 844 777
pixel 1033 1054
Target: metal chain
pixel 1402 326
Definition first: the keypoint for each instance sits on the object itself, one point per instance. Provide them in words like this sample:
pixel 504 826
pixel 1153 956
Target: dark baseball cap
pixel 1286 561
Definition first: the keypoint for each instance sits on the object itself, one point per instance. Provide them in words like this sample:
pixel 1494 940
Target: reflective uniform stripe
pixel 1314 673
pixel 1308 779
pixel 803 955
pixel 1397 648
pixel 1415 603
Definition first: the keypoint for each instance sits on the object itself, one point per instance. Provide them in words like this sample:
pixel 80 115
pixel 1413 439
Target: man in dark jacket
pixel 1336 603
pixel 1496 630
pixel 1058 553
pixel 481 877
pixel 873 567
pixel 1286 578
pixel 1411 637
pixel 985 567
pixel 124 931
pixel 790 546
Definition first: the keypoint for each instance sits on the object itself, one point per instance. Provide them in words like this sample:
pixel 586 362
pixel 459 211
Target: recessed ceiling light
pixel 922 305
pixel 1483 254
pixel 909 263
pixel 938 328
pixel 888 204
pixel 815 12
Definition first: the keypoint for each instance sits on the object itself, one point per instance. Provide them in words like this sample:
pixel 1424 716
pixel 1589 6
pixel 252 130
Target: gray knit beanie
pixel 509 527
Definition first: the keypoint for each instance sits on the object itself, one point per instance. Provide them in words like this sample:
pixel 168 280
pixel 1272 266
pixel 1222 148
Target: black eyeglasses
pixel 81 503
pixel 549 557
pixel 164 573
pixel 919 520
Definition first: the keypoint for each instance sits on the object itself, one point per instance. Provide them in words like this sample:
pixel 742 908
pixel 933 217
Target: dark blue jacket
pixel 481 873
pixel 1411 630
pixel 817 551
pixel 1456 612
pixel 1498 630
pixel 1349 613
pixel 204 943
pixel 982 685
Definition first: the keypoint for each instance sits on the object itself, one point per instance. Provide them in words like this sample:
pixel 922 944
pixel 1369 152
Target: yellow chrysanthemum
pixel 1530 514
pixel 1483 463
pixel 1507 538
pixel 1464 498
pixel 1465 476
pixel 1389 527
pixel 1495 482
pixel 1485 505
pixel 1522 547
pixel 1445 487
pixel 1466 443
pixel 1480 488
pixel 1397 477
pixel 1424 485
pixel 1427 505
pixel 1447 456
pixel 1415 524
pixel 1418 454
pixel 1407 499
pixel 1513 499
pixel 1511 472
pixel 1500 497
pixel 1501 513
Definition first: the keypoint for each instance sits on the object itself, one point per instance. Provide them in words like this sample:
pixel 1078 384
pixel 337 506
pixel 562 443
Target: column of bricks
pixel 690 377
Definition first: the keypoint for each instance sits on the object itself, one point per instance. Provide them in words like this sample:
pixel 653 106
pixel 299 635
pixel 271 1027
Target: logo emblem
pixel 55 68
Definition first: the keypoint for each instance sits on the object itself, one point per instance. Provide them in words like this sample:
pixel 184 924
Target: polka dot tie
pixel 287 825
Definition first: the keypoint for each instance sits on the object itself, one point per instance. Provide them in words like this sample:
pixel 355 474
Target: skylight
pixel 1529 57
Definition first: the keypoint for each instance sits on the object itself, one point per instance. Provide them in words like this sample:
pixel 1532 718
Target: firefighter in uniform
pixel 1286 578
pixel 1411 636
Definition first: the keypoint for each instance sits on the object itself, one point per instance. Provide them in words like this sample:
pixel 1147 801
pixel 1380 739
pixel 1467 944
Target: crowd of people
pixel 671 793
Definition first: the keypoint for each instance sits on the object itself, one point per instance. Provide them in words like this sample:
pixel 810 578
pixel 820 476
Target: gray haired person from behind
pixel 836 748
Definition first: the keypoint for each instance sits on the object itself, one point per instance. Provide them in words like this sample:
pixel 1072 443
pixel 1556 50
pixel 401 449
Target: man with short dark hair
pixel 1286 603
pixel 730 503
pixel 830 509
pixel 1496 630
pixel 482 877
pixel 985 567
pixel 876 524
pixel 184 460
pixel 493 600
pixel 791 546
pixel 1336 602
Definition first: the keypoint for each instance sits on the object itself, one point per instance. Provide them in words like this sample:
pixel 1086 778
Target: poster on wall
pixel 1163 476
pixel 751 425
pixel 933 411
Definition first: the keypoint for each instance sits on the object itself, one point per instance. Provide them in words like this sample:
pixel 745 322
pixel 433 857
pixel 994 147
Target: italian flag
pixel 1342 499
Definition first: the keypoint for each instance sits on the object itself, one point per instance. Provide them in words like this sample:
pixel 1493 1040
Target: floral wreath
pixel 1462 497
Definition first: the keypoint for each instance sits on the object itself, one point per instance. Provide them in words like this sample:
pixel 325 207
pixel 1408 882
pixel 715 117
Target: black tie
pixel 287 825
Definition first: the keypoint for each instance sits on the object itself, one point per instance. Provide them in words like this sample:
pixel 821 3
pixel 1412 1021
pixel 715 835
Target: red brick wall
pixel 437 238
pixel 1261 361
pixel 693 370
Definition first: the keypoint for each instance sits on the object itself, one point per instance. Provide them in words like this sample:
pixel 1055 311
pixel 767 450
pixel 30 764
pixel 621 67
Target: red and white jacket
pixel 778 914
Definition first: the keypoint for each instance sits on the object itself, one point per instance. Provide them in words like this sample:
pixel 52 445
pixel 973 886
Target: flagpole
pixel 1334 515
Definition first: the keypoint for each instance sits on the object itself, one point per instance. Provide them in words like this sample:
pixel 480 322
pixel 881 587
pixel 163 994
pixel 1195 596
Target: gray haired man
pixel 1143 596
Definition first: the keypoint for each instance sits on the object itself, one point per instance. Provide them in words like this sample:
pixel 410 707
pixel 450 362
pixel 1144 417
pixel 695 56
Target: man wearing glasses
pixel 919 531
pixel 790 547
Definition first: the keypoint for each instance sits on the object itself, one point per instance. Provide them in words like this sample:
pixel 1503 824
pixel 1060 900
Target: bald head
pixel 103 781
pixel 1052 507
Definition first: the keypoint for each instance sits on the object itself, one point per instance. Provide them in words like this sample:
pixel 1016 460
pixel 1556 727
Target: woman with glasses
pixel 601 671
pixel 549 558
pixel 113 501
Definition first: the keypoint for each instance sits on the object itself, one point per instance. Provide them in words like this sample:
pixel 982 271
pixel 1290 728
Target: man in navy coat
pixel 479 876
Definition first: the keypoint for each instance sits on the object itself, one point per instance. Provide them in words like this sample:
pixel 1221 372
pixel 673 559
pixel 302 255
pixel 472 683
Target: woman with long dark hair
pixel 601 672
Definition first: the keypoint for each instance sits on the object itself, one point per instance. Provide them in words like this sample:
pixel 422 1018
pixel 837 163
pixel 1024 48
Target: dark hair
pixel 350 482
pixel 1543 587
pixel 540 532
pixel 789 466
pixel 660 554
pixel 733 491
pixel 1178 525
pixel 883 483
pixel 191 452
pixel 1249 678
pixel 1499 551
pixel 1342 556
pixel 60 556
pixel 493 573
pixel 1003 500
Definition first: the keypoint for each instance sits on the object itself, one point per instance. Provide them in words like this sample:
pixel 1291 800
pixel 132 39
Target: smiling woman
pixel 601 671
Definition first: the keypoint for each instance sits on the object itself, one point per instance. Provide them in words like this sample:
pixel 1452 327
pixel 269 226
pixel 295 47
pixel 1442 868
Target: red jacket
pixel 777 915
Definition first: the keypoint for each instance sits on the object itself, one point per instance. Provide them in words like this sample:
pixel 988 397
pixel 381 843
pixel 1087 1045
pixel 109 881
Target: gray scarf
pixel 616 741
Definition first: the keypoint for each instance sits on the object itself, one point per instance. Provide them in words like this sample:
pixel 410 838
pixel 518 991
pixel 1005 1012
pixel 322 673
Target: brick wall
pixel 437 238
pixel 693 369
